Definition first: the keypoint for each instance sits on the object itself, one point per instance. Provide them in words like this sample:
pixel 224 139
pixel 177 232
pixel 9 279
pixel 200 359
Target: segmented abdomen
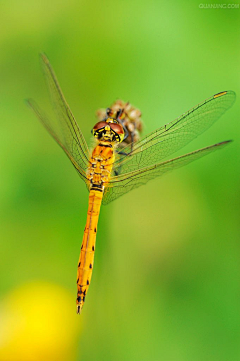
pixel 86 259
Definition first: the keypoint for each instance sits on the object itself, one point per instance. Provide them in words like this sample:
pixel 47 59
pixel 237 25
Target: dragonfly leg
pixel 126 133
pixel 132 139
pixel 117 171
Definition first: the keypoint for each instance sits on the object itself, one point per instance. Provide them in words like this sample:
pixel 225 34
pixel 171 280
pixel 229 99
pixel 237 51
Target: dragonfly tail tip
pixel 79 308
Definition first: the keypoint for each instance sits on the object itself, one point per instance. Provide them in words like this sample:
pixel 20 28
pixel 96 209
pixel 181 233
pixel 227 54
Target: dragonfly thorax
pixel 100 166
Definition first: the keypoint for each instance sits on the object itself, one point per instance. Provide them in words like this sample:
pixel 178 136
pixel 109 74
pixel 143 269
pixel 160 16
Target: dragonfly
pixel 110 171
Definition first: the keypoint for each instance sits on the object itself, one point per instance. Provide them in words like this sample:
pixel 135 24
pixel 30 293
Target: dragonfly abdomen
pixel 86 259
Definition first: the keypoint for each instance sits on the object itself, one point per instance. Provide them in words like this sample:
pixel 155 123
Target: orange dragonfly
pixel 110 171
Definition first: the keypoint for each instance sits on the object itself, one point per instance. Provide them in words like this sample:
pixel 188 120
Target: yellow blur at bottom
pixel 38 323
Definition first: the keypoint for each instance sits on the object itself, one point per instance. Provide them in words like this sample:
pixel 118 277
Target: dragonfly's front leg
pixel 118 171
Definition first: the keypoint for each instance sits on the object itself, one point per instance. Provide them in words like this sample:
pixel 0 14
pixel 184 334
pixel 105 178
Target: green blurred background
pixel 166 280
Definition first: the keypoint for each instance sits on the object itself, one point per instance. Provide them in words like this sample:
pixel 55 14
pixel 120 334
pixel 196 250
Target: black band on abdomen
pixel 96 187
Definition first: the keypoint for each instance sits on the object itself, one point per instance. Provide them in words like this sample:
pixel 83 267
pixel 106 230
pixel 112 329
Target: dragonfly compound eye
pixel 118 130
pixel 99 128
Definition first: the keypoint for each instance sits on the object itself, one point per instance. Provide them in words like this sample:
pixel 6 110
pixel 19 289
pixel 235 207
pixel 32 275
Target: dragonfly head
pixel 109 130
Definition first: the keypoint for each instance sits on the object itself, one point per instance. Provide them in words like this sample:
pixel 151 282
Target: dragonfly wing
pixel 73 152
pixel 173 136
pixel 63 127
pixel 122 184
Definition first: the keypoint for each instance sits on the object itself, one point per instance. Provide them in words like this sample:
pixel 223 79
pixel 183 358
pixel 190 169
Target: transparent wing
pixel 63 127
pixel 123 184
pixel 173 136
pixel 70 153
